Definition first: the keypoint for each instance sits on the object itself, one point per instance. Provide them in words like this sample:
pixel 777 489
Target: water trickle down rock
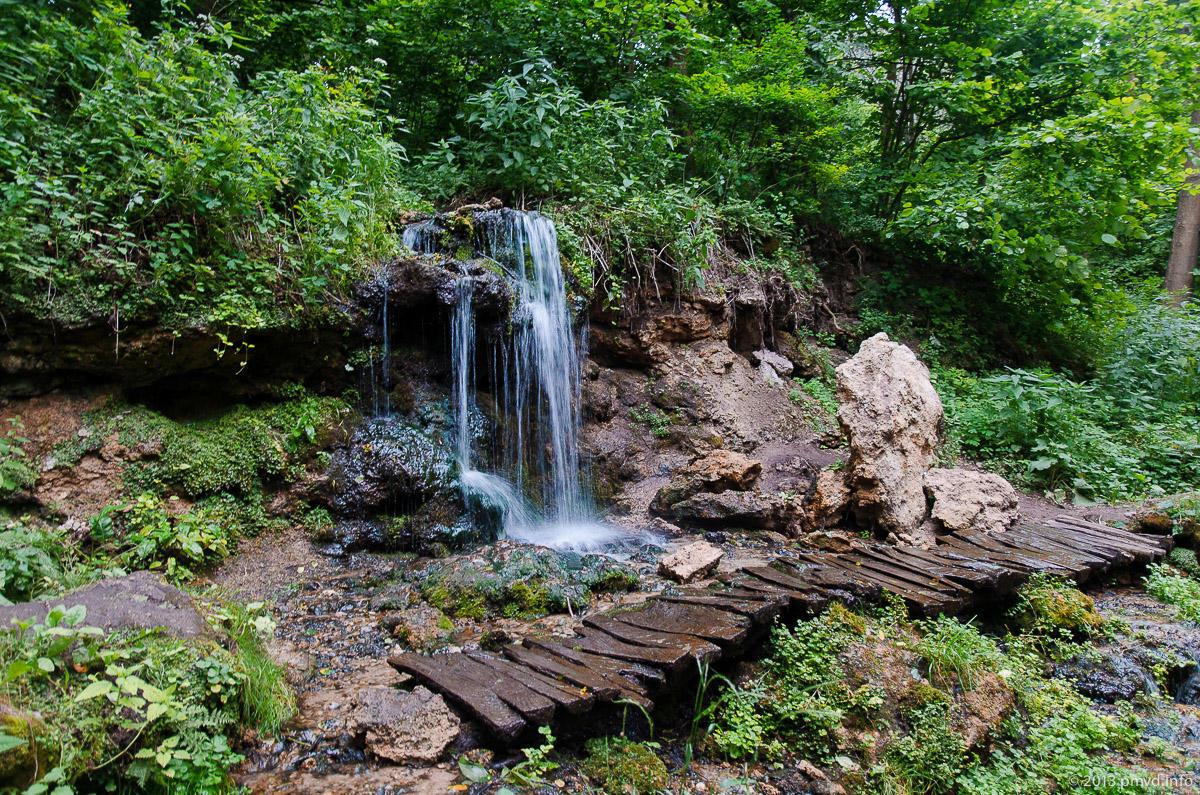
pixel 537 487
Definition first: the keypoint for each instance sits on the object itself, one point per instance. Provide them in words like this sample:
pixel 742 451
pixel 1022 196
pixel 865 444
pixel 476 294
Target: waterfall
pixel 539 490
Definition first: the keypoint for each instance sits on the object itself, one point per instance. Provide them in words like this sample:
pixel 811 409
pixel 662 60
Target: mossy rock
pixel 623 767
pixel 21 764
pixel 1048 605
pixel 519 581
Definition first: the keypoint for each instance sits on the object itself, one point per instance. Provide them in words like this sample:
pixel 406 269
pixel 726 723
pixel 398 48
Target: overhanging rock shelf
pixel 635 655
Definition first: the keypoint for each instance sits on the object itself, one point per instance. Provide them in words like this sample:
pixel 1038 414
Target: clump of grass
pixel 956 652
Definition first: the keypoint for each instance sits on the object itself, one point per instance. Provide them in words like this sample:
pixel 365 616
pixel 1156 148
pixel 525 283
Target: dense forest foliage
pixel 1009 170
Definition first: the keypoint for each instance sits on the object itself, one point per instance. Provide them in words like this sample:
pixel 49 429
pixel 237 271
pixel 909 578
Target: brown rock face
pixel 968 500
pixel 405 726
pixel 715 472
pixel 829 499
pixel 892 418
pixel 692 562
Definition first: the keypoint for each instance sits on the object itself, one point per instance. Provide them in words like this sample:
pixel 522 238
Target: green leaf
pixel 8 742
pixel 101 687
pixel 1109 239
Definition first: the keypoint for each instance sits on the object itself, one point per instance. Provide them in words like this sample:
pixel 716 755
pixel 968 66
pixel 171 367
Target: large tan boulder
pixel 967 500
pixel 892 418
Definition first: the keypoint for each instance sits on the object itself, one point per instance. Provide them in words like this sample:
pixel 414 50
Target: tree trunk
pixel 1185 240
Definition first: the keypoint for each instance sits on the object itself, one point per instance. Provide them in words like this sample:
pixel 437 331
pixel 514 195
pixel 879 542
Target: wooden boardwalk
pixel 636 655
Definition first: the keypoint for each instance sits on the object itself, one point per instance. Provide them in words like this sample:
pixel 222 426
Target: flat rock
pixel 136 601
pixel 692 562
pixel 967 500
pixel 404 726
pixel 727 509
pixel 779 364
pixel 714 472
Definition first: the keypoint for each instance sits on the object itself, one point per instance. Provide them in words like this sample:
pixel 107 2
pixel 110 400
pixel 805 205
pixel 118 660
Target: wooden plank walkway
pixel 635 655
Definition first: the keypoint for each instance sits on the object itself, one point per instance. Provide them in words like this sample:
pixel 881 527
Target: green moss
pixel 622 767
pixel 513 581
pixel 1053 608
pixel 234 452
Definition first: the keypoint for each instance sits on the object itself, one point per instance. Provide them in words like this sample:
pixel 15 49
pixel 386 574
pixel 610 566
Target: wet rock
pixel 414 282
pixel 729 508
pixel 388 462
pixel 692 562
pixel 136 601
pixel 518 580
pixel 716 471
pixel 1107 675
pixel 421 628
pixel 404 727
pixel 967 500
pixel 892 417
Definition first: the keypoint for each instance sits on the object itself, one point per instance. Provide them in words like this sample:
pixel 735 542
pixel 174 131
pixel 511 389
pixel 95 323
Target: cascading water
pixel 537 392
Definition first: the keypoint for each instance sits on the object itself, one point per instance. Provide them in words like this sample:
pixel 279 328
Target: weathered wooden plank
pixel 574 700
pixel 982 546
pixel 901 571
pixel 814 569
pixel 595 682
pixel 1145 549
pixel 725 629
pixel 533 706
pixel 606 645
pixel 638 676
pixel 1101 557
pixel 977 576
pixel 810 600
pixel 922 599
pixel 695 647
pixel 498 717
pixel 757 610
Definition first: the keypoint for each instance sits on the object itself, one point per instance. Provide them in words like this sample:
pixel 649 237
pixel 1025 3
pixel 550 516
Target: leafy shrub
pixel 1132 431
pixel 1172 589
pixel 624 767
pixel 128 710
pixel 143 535
pixel 28 561
pixel 533 131
pixel 931 755
pixel 799 701
pixel 16 473
pixel 143 176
